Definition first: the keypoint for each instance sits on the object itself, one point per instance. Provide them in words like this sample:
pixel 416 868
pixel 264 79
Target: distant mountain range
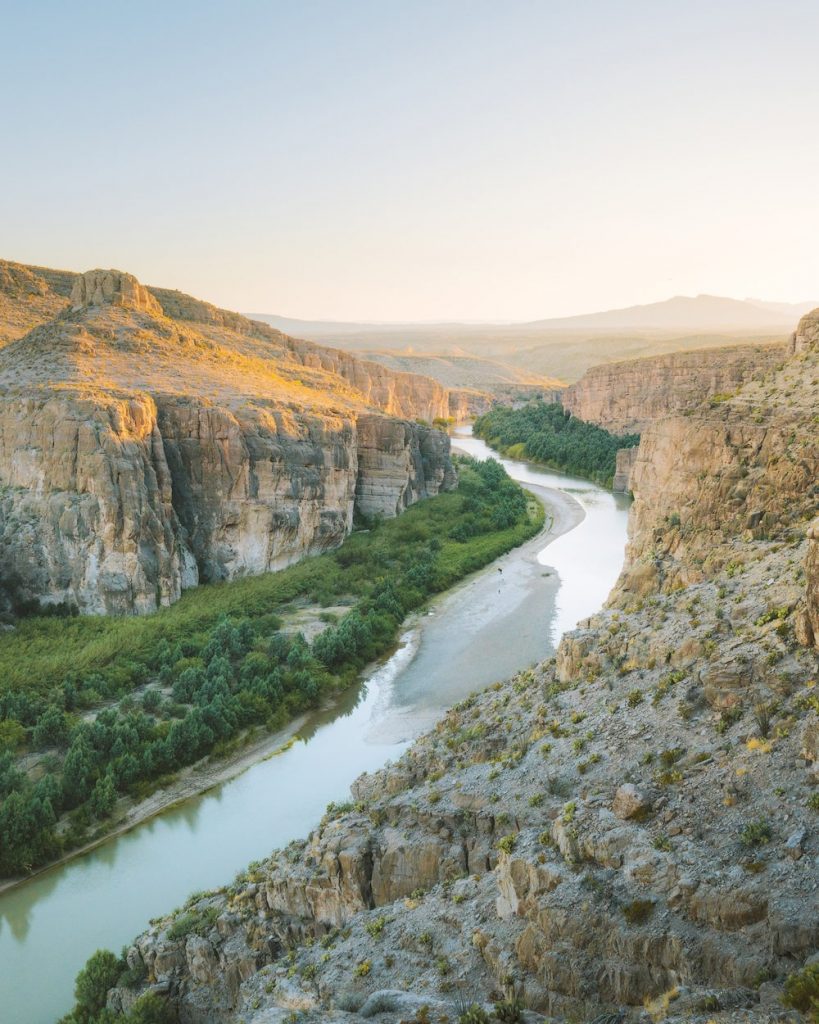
pixel 563 347
pixel 680 313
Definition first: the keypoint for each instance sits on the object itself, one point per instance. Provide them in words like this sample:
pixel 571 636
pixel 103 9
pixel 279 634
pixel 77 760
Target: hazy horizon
pixel 421 162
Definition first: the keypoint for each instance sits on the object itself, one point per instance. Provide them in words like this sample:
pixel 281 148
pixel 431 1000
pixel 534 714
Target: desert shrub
pixel 802 991
pixel 756 833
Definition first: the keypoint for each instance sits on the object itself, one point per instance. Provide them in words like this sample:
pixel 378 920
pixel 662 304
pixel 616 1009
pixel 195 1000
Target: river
pixel 502 619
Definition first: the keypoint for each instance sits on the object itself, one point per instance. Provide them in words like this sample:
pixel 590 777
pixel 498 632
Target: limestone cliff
pixel 632 824
pixel 625 397
pixel 141 454
pixel 626 458
pixel 727 472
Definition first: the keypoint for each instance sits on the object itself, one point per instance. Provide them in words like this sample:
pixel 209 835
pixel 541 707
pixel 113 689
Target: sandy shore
pixel 464 630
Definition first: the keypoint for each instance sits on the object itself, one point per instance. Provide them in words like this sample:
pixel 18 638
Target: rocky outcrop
pixel 806 336
pixel 112 287
pixel 808 615
pixel 626 458
pixel 139 456
pixel 86 510
pixel 401 394
pixel 625 397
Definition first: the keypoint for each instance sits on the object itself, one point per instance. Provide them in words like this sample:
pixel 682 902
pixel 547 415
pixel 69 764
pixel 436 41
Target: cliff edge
pixel 142 453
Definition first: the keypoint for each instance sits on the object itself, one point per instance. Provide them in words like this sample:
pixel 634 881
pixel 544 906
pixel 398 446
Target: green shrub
pixel 507 843
pixel 509 1011
pixel 474 1014
pixel 756 833
pixel 802 991
pixel 101 972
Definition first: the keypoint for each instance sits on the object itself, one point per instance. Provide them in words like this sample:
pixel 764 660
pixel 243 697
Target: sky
pixel 416 159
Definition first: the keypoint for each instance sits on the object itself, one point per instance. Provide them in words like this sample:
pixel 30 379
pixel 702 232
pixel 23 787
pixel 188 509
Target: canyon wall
pixel 117 507
pixel 137 460
pixel 625 397
pixel 707 481
pixel 405 395
pixel 626 458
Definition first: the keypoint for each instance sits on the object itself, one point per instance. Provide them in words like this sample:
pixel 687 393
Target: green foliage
pixel 509 1011
pixel 547 433
pixel 221 653
pixel 193 922
pixel 151 1009
pixel 756 833
pixel 507 843
pixel 91 988
pixel 474 1014
pixel 802 991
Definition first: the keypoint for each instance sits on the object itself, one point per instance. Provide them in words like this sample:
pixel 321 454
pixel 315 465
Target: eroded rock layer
pixel 141 454
pixel 625 397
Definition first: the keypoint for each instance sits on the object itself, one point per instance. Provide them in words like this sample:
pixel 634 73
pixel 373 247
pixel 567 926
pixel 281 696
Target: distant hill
pixel 565 347
pixel 680 313
pixel 702 312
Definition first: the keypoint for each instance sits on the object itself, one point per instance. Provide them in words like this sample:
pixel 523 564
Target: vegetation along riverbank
pixel 544 432
pixel 96 713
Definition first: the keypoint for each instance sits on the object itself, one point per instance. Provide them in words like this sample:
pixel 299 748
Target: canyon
pixel 624 397
pixel 150 442
pixel 630 824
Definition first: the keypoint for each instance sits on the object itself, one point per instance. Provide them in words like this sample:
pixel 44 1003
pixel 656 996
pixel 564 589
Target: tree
pixel 51 729
pixel 151 1009
pixel 12 734
pixel 103 797
pixel 78 772
pixel 93 982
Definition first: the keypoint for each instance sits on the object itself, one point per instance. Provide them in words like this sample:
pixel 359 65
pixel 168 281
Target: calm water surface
pixel 489 627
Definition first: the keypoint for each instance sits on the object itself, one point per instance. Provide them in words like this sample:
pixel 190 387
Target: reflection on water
pixel 588 558
pixel 485 630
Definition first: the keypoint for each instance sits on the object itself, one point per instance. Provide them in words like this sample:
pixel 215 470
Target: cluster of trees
pixel 102 972
pixel 546 432
pixel 178 695
pixel 492 501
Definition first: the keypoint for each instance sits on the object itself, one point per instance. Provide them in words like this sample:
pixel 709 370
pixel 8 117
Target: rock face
pixel 625 397
pixel 808 616
pixel 626 458
pixel 806 336
pixel 140 455
pixel 630 825
pixel 112 287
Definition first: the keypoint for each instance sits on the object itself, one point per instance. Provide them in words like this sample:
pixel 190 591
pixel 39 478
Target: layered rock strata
pixel 140 456
pixel 625 397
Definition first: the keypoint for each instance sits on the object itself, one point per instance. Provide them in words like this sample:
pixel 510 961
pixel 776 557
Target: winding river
pixel 502 619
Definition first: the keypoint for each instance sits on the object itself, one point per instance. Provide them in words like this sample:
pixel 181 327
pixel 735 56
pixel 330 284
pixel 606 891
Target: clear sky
pixel 421 159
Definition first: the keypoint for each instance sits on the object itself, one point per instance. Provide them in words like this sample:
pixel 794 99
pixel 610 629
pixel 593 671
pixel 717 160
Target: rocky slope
pixel 149 442
pixel 26 300
pixel 633 824
pixel 625 397
pixel 481 381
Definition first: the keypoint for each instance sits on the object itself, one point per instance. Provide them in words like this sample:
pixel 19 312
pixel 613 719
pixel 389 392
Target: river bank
pixel 515 595
pixel 54 921
pixel 562 514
